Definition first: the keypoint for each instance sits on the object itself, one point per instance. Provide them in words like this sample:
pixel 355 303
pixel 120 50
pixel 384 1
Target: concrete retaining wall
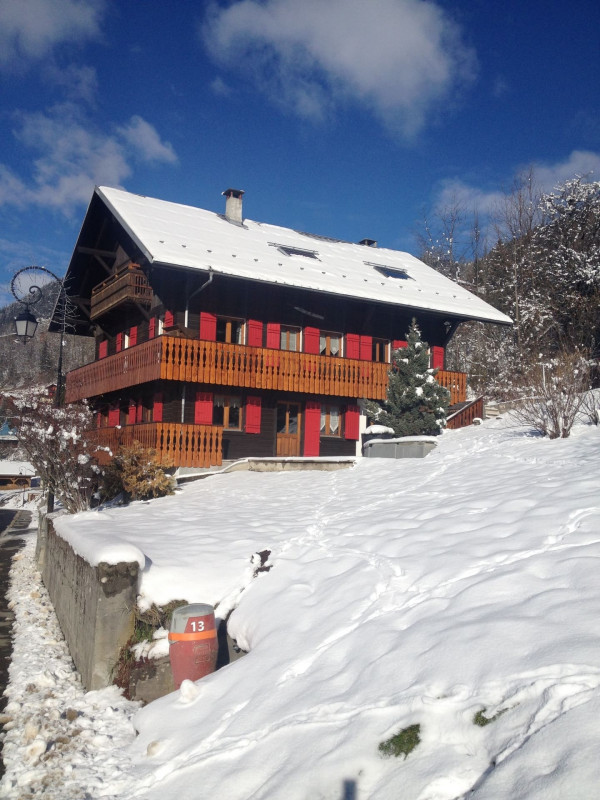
pixel 394 448
pixel 94 606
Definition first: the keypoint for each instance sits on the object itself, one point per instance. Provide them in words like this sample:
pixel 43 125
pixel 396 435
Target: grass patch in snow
pixel 481 720
pixel 401 743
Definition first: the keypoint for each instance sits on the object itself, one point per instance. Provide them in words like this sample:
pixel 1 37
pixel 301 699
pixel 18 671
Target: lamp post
pixel 27 288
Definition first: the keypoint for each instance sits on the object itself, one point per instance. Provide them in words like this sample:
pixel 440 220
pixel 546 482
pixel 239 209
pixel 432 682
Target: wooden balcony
pixel 194 361
pixel 128 285
pixel 182 445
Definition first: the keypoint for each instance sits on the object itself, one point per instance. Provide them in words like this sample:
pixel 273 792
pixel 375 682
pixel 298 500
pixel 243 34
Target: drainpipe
pixel 185 322
pixel 194 293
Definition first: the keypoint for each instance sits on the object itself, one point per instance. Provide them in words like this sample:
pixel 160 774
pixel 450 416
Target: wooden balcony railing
pixel 127 285
pixel 194 361
pixel 181 445
pixel 191 360
pixel 456 383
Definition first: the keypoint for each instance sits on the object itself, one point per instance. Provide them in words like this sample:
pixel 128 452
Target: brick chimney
pixel 233 205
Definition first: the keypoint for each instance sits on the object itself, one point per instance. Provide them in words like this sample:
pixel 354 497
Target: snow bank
pixel 401 593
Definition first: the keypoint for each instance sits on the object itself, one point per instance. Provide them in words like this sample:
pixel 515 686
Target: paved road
pixel 10 542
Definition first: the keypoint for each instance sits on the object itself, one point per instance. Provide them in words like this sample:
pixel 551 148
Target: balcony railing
pixel 194 361
pixel 175 444
pixel 456 383
pixel 128 285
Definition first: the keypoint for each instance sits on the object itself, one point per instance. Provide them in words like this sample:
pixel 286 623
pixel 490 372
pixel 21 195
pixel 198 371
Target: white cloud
pixel 219 87
pixel 73 157
pixel 146 142
pixel 79 83
pixel 583 163
pixel 31 29
pixel 399 58
pixel 466 198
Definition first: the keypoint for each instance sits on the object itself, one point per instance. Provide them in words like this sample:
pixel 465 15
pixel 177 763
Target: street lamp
pixel 26 325
pixel 27 288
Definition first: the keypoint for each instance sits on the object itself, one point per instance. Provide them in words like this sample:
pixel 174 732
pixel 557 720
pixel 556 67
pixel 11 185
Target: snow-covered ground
pixel 401 593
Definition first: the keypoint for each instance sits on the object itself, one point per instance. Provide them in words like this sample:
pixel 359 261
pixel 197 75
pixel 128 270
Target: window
pixel 288 250
pixel 227 411
pixel 379 350
pixel 289 338
pixel 390 272
pixel 230 330
pixel 330 421
pixel 330 344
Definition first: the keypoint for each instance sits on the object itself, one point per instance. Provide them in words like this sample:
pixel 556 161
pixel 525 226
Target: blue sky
pixel 348 118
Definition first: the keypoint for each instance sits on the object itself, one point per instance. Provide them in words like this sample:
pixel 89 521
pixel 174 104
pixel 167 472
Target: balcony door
pixel 289 420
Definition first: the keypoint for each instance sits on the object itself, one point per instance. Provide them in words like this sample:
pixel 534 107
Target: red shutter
pixel 152 328
pixel 366 348
pixel 253 409
pixel 203 408
pixel 157 408
pixel 139 411
pixel 119 343
pixel 312 341
pixel 114 414
pixel 352 345
pixel 351 422
pixel 208 326
pixel 398 343
pixel 133 336
pixel 103 349
pixel 98 419
pixel 254 337
pixel 169 320
pixel 273 335
pixel 437 357
pixel 312 428
pixel 131 412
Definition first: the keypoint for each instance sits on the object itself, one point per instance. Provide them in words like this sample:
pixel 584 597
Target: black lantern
pixel 26 325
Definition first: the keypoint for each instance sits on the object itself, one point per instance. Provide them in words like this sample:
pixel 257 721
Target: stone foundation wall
pixel 94 606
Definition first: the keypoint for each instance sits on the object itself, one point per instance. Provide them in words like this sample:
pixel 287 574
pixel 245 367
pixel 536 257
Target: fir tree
pixel 416 404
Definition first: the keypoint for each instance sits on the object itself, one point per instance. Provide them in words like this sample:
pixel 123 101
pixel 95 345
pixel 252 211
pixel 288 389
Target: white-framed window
pixel 289 338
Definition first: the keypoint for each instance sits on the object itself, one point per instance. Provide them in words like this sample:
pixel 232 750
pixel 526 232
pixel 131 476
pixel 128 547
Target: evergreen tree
pixel 416 404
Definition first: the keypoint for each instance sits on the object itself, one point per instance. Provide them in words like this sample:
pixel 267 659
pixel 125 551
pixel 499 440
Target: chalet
pixel 222 338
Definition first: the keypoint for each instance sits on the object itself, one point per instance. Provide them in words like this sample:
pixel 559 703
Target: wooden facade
pixel 205 367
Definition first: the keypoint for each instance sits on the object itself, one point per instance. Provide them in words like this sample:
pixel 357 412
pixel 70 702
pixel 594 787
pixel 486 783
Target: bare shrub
pixel 557 394
pixel 134 471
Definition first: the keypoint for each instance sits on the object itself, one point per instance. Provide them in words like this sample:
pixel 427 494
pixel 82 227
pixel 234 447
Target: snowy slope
pixel 401 593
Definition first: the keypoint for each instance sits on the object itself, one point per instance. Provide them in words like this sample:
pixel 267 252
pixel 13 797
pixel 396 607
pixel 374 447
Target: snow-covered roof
pixel 16 468
pixel 176 235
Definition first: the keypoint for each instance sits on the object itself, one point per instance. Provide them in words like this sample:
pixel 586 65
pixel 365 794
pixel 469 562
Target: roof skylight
pixel 390 272
pixel 289 250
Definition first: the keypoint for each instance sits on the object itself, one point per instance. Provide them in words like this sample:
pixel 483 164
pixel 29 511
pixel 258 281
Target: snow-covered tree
pixel 54 440
pixel 416 404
